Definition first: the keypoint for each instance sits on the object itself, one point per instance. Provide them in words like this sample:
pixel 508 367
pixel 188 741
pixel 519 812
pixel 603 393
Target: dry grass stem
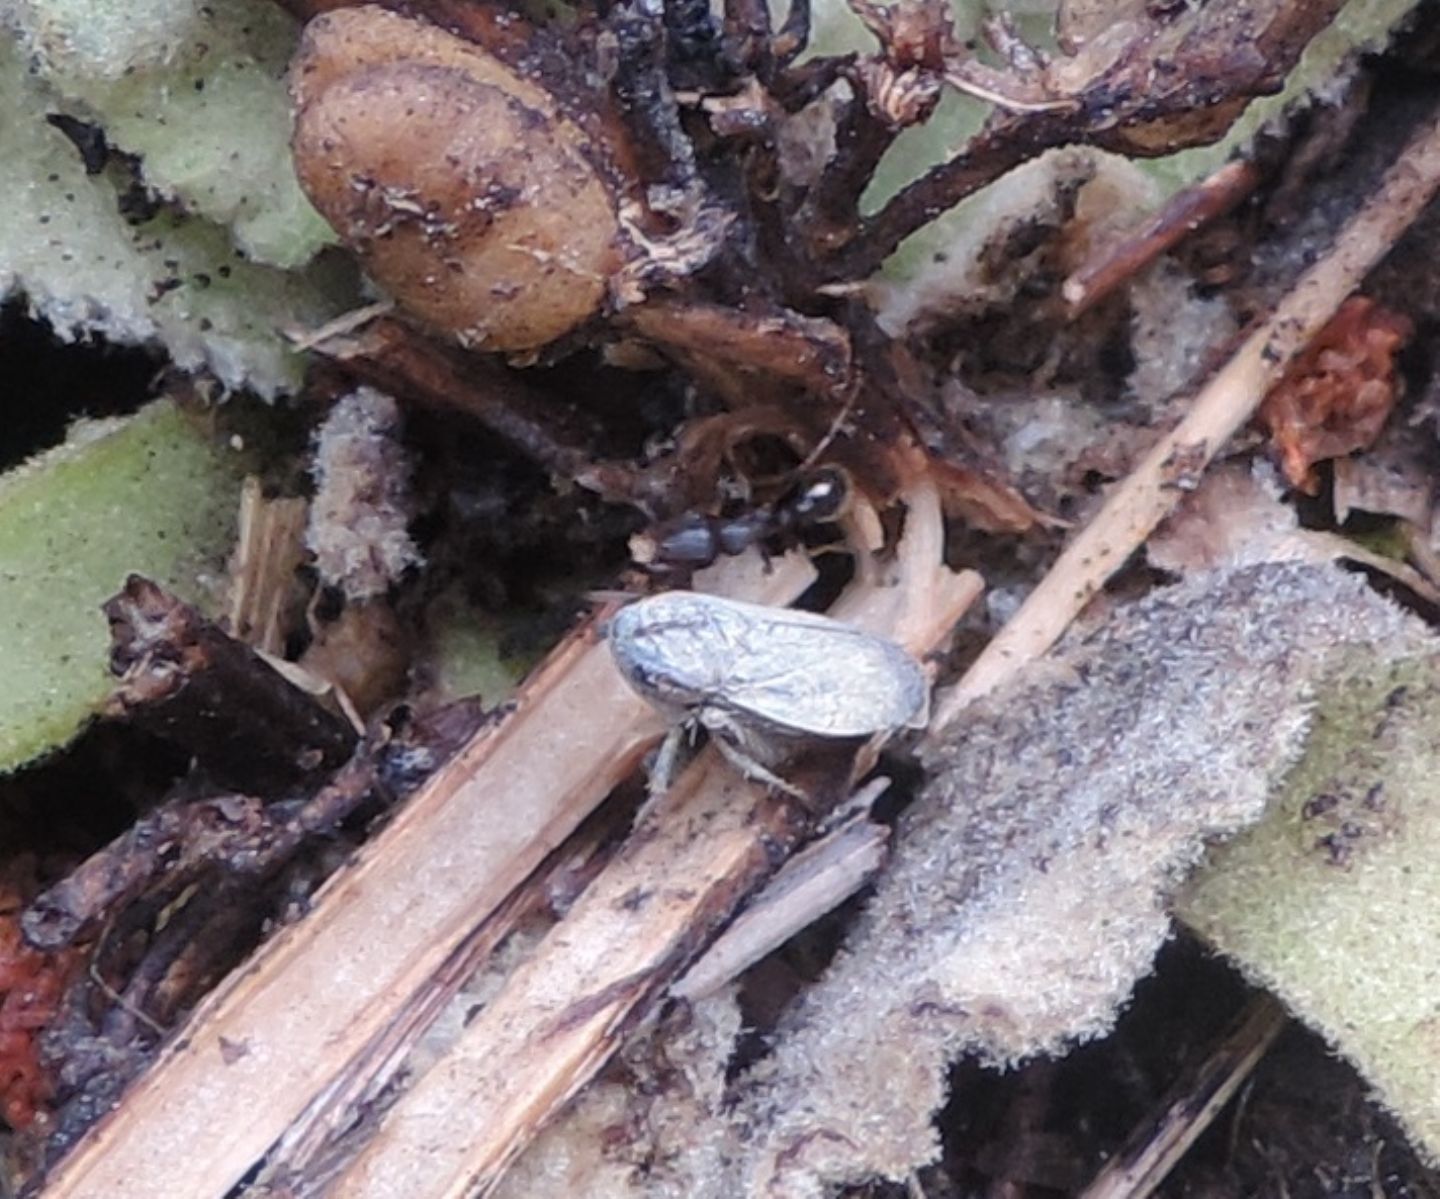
pixel 276 1035
pixel 1144 499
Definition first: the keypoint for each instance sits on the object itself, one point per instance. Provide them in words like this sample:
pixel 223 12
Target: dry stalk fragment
pixel 811 883
pixel 270 547
pixel 1117 262
pixel 322 992
pixel 600 973
pixel 1139 503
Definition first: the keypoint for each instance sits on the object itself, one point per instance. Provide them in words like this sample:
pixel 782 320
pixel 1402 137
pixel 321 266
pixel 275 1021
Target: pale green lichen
pixel 151 494
pixel 197 90
pixel 182 280
pixel 1333 902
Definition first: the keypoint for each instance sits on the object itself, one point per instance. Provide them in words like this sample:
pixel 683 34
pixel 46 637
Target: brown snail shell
pixel 462 188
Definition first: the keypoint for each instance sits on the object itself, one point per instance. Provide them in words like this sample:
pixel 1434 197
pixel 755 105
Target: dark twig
pixel 747 31
pixel 662 153
pixel 177 840
pixel 391 355
pixel 794 34
pixel 1117 263
pixel 215 868
pixel 803 84
pixel 831 214
pixel 187 681
pixel 1181 85
pixel 194 959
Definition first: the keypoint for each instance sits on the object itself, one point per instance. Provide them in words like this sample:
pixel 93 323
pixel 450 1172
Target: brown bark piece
pixel 186 680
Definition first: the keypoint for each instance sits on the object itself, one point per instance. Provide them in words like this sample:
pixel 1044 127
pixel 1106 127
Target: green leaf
pixel 152 494
pixel 1333 901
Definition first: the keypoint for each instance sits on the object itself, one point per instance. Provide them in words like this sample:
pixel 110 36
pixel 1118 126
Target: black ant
pixel 696 539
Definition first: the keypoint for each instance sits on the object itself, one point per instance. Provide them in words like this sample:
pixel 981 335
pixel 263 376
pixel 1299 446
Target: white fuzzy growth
pixel 359 519
pixel 1027 890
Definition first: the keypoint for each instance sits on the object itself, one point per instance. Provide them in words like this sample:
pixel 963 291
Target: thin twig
pixel 1144 499
pixel 1190 1106
pixel 1118 262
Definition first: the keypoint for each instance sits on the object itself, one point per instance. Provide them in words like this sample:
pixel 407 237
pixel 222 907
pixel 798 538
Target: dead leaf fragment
pixel 1337 395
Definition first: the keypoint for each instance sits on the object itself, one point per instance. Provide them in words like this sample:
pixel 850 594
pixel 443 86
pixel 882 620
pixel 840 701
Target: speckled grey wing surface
pixel 795 671
pixel 823 677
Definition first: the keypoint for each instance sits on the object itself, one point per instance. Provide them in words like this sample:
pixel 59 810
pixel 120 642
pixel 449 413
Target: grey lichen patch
pixel 1027 891
pixel 1332 901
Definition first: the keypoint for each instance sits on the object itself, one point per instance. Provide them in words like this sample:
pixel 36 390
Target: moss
pixel 465 652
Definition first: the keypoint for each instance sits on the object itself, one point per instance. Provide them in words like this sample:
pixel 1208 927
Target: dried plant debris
pixel 360 517
pixel 1394 477
pixel 1338 394
pixel 1096 194
pixel 1026 893
pixel 170 906
pixel 1272 57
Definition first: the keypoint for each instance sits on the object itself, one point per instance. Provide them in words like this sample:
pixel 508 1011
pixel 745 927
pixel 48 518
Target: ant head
pixel 823 495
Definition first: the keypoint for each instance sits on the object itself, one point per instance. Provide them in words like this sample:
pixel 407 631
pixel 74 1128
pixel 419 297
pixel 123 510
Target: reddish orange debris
pixel 31 984
pixel 1337 395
